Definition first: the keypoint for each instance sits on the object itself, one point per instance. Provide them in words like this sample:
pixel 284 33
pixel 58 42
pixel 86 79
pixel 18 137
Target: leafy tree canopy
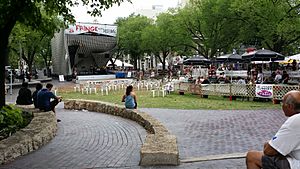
pixel 210 25
pixel 129 35
pixel 272 24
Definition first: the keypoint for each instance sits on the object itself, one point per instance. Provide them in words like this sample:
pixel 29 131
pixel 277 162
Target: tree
pixel 273 24
pixel 46 54
pixel 129 35
pixel 28 42
pixel 14 59
pixel 164 37
pixel 28 12
pixel 118 52
pixel 210 25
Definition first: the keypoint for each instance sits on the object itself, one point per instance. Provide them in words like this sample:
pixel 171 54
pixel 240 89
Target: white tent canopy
pixel 264 62
pixel 290 59
pixel 119 63
pixel 295 57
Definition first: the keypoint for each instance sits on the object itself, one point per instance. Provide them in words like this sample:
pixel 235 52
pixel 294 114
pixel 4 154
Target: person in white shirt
pixel 241 80
pixel 278 77
pixel 283 150
pixel 260 76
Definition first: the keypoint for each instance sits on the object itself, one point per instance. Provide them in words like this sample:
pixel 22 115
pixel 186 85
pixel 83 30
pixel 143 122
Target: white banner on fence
pixel 264 91
pixel 234 73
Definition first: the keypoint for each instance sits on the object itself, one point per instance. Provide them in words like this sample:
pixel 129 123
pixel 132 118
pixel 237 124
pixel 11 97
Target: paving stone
pixel 86 140
pixel 211 132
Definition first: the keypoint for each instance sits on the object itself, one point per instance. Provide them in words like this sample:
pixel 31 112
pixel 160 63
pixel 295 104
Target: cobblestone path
pixel 87 140
pixel 211 132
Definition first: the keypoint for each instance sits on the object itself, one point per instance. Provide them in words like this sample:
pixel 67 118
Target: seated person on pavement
pixel 44 96
pixel 24 97
pixel 130 98
pixel 38 87
pixel 283 150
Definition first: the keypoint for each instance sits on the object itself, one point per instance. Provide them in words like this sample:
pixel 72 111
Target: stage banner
pixel 103 29
pixel 264 91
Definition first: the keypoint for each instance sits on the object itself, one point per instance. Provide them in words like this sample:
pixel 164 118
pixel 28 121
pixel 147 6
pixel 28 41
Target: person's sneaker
pixel 58 120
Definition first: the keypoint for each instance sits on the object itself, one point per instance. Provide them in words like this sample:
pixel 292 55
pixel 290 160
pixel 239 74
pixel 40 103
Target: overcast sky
pixel 125 9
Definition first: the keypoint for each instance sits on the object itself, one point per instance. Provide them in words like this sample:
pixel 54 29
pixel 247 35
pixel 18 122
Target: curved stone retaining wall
pixel 40 131
pixel 159 148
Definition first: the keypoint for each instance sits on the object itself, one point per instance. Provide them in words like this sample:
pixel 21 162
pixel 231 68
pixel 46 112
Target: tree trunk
pixel 4 34
pixel 3 51
pixel 47 64
pixel 164 65
pixel 29 72
pixel 165 55
pixel 113 63
pixel 135 63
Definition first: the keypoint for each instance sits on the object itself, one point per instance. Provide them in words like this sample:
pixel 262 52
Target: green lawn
pixel 176 101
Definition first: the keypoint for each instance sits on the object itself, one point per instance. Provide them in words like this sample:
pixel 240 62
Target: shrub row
pixel 12 119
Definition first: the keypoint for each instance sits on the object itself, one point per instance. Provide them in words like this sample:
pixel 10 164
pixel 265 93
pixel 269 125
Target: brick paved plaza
pixel 212 132
pixel 88 140
pixel 96 140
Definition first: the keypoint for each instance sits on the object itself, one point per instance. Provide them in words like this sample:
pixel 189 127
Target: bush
pixel 12 119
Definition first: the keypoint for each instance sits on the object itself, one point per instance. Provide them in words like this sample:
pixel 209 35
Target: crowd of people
pixel 277 77
pixel 254 76
pixel 41 97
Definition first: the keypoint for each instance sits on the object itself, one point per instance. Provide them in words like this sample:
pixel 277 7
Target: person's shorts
pixel 275 162
pixel 129 107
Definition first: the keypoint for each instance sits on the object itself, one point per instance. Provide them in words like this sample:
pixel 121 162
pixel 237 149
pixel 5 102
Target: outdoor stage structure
pixel 82 46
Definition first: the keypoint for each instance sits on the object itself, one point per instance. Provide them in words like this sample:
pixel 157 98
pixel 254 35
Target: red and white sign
pixel 264 91
pixel 78 28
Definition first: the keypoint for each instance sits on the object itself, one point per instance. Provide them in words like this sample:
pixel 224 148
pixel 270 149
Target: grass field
pixel 176 101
